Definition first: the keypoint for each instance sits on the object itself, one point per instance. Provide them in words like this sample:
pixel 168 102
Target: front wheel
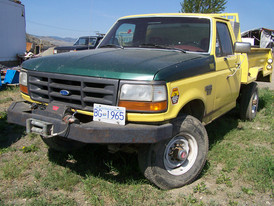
pixel 177 161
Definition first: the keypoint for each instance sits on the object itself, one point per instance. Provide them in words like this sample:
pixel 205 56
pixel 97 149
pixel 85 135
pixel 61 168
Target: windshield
pixel 84 41
pixel 190 34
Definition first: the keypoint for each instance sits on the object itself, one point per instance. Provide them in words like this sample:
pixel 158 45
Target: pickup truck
pixel 82 43
pixel 150 87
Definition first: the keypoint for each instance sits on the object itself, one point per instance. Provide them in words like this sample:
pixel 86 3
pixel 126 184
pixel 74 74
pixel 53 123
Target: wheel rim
pixel 254 103
pixel 180 154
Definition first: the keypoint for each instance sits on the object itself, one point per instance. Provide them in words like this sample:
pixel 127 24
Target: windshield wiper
pixel 112 46
pixel 161 47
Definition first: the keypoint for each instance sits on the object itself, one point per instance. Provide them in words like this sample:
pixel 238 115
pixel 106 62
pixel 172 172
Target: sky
pixel 71 18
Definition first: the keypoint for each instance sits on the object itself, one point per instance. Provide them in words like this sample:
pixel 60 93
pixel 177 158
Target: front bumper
pixel 93 132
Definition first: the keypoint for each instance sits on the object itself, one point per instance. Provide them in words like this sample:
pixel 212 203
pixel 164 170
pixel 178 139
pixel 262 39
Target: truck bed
pixel 257 66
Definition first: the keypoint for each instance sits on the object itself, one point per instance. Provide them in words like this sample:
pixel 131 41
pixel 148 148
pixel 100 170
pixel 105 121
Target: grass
pixel 5 100
pixel 247 149
pixel 28 192
pixel 224 179
pixel 239 169
pixel 56 179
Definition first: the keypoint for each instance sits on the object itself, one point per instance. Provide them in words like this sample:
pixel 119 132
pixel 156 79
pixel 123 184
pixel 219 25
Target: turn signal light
pixel 144 106
pixel 23 89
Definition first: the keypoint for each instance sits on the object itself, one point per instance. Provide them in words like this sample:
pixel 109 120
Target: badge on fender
pixel 175 95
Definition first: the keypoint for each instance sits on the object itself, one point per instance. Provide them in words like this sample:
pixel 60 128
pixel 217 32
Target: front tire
pixel 177 161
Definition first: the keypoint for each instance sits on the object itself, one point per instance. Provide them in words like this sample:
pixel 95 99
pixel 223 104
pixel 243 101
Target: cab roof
pixel 224 16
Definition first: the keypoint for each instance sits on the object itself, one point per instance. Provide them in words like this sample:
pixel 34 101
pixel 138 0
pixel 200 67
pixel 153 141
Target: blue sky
pixel 71 18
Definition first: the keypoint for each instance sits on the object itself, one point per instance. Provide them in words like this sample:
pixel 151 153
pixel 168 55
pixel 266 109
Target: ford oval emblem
pixel 65 92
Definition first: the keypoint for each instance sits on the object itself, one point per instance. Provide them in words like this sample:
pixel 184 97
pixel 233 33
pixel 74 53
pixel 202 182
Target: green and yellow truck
pixel 151 85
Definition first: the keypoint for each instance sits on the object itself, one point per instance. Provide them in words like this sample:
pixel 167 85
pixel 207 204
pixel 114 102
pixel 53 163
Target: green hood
pixel 127 64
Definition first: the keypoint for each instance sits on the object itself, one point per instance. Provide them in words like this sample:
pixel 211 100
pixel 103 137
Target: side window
pixel 82 41
pixel 223 41
pixel 124 34
pixel 92 42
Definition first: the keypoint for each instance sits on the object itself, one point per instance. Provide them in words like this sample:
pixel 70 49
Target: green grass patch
pixel 52 200
pixel 224 179
pixel 266 102
pixel 245 147
pixel 15 167
pixel 9 90
pixel 57 178
pixel 5 100
pixel 6 150
pixel 258 168
pixel 233 203
pixel 31 148
pixel 28 192
pixel 247 191
pixel 3 115
pixel 10 171
pixel 201 188
pixel 121 194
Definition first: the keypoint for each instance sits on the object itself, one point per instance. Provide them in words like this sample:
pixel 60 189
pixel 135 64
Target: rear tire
pixel 62 144
pixel 249 101
pixel 177 161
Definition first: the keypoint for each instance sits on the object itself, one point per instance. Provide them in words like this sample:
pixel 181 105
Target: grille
pixel 83 91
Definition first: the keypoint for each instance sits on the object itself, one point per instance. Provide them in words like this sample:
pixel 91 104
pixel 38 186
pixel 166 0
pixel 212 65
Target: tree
pixel 203 6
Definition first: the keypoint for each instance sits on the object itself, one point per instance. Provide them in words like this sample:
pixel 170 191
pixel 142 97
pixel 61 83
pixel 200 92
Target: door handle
pixel 238 66
pixel 227 63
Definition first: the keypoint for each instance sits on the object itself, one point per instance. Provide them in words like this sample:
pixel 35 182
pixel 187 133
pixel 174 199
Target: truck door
pixel 227 78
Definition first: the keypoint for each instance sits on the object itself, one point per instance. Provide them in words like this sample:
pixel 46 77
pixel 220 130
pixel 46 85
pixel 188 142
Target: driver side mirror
pixel 242 47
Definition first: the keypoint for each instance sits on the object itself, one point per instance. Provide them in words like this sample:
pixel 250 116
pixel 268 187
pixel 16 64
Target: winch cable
pixel 68 119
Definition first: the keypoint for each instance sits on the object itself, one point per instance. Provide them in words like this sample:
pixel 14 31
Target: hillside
pixel 49 41
pixel 58 41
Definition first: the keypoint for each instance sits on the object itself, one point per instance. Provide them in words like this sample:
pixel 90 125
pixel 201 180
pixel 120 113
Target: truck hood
pixel 127 64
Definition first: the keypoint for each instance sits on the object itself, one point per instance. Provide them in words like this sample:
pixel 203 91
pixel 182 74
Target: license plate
pixel 109 114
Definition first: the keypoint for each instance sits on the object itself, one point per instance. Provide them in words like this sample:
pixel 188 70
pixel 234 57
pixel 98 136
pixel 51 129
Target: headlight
pixel 143 92
pixel 23 78
pixel 146 98
pixel 134 92
pixel 270 61
pixel 23 82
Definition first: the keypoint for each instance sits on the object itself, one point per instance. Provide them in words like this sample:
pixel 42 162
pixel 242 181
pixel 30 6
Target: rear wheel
pixel 177 161
pixel 249 101
pixel 62 144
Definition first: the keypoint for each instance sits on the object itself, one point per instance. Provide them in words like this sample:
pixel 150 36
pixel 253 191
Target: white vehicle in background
pixel 260 37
